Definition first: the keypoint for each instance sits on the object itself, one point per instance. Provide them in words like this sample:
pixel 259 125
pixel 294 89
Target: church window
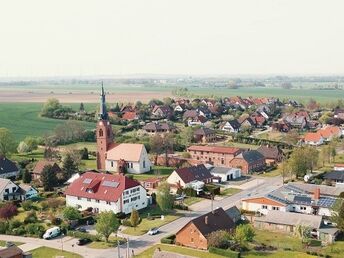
pixel 101 133
pixel 112 164
pixel 144 164
pixel 131 165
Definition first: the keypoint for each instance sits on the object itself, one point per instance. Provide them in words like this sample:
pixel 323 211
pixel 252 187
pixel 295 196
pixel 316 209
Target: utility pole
pixel 128 254
pixel 118 249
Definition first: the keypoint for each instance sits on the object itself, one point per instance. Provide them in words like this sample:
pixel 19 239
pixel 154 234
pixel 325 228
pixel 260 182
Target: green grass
pixel 273 173
pixel 103 245
pixel 3 243
pixel 163 172
pixel 242 145
pixel 36 154
pixel 177 249
pixel 229 191
pixel 192 200
pixel 23 119
pixel 91 146
pixel 335 250
pixel 47 252
pixel 278 254
pixel 278 240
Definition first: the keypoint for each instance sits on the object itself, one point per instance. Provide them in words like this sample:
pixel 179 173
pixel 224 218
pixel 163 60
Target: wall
pixel 83 204
pixel 250 206
pixel 174 178
pixel 138 204
pixel 190 236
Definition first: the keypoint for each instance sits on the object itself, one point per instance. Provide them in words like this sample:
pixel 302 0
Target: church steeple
pixel 103 115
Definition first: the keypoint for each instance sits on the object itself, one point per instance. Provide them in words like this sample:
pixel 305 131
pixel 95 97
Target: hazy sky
pixel 71 37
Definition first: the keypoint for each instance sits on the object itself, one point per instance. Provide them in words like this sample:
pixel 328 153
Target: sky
pixel 190 37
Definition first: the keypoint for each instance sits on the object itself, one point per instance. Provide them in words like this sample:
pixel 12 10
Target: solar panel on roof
pixel 110 183
pixel 87 181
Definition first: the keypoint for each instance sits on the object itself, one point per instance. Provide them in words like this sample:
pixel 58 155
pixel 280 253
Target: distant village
pixel 272 165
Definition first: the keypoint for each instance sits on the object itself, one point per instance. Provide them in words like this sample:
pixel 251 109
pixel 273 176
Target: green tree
pixel 69 166
pixel 303 159
pixel 7 142
pixel 219 239
pixel 50 106
pixel 163 197
pixel 22 147
pixel 31 142
pixel 71 213
pixel 244 233
pixel 48 178
pixel 82 107
pixel 156 146
pixel 107 223
pixel 26 177
pixel 134 218
pixel 337 215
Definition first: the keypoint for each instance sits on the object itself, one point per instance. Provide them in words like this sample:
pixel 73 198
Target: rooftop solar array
pixel 302 199
pixel 277 198
pixel 110 183
pixel 326 202
pixel 87 181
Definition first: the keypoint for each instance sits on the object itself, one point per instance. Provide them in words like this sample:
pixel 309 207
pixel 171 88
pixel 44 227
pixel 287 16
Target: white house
pixel 226 174
pixel 8 168
pixel 106 192
pixel 9 191
pixel 314 139
pixel 230 126
pixel 134 155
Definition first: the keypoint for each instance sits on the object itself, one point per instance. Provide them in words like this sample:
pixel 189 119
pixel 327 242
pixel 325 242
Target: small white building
pixel 226 174
pixel 106 192
pixel 9 191
pixel 134 155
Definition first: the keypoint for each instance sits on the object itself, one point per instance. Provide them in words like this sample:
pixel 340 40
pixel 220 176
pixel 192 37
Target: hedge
pixel 78 234
pixel 168 240
pixel 314 242
pixel 224 252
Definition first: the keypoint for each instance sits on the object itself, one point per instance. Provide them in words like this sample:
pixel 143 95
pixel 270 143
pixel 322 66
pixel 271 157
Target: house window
pixel 97 201
pixel 264 207
pixel 108 203
pixel 112 164
pixel 131 165
pixel 192 240
pixel 88 199
pixel 303 208
pixel 7 190
pixel 101 133
pixel 126 201
pixel 79 198
pixel 275 208
pixel 222 161
pixel 144 164
pixel 14 189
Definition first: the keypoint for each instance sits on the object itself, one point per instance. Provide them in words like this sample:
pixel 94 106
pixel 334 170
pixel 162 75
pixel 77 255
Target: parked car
pixel 82 229
pixel 83 241
pixel 9 244
pixel 153 231
pixel 51 233
pixel 90 221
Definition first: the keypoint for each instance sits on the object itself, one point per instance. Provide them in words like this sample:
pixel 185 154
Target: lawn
pixel 272 173
pixel 36 154
pixel 192 200
pixel 47 252
pixel 177 249
pixel 242 145
pixel 23 119
pixel 103 245
pixel 91 146
pixel 278 254
pixel 229 191
pixel 278 240
pixel 157 171
pixel 3 243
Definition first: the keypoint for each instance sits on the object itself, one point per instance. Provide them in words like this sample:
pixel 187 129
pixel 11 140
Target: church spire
pixel 103 115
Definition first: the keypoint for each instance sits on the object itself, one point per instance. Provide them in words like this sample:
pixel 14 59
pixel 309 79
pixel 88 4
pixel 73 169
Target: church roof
pixel 126 151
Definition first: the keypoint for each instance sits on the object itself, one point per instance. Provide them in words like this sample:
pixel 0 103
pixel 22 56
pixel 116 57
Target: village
pixel 215 175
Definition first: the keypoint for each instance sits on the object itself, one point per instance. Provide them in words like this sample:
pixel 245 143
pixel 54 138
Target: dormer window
pixel 89 190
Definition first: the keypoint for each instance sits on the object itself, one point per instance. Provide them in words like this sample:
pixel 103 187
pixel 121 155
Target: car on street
pixel 153 231
pixel 52 232
pixel 83 241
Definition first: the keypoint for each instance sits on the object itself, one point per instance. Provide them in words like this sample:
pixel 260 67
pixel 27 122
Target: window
pixel 79 198
pixel 112 164
pixel 7 190
pixel 88 199
pixel 303 208
pixel 14 189
pixel 126 201
pixel 131 165
pixel 192 240
pixel 144 164
pixel 108 203
pixel 97 201
pixel 275 208
pixel 101 133
pixel 264 207
pixel 222 161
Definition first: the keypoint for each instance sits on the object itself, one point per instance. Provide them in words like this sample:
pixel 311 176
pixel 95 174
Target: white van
pixel 51 233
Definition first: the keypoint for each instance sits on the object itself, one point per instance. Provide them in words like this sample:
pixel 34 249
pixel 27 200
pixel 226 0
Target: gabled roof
pixel 126 151
pixel 270 152
pixel 215 149
pixel 7 166
pixel 233 212
pixel 3 183
pixel 216 220
pixel 204 131
pixel 99 186
pixel 251 156
pixel 10 252
pixel 129 115
pixel 26 187
pixel 334 175
pixel 40 165
pixel 313 137
pixel 199 173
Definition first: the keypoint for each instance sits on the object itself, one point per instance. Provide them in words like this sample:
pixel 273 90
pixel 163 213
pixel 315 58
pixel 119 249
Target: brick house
pixel 194 234
pixel 249 161
pixel 156 127
pixel 272 154
pixel 215 155
pixel 204 135
pixel 162 112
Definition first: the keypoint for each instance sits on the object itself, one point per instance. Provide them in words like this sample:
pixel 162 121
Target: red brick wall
pixel 190 236
pixel 240 163
pixel 217 159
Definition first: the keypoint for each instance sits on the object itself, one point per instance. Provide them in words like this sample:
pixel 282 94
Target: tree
pixel 48 178
pixel 69 166
pixel 31 142
pixel 107 223
pixel 50 106
pixel 337 215
pixel 26 177
pixel 22 147
pixel 163 197
pixel 303 231
pixel 134 218
pixel 286 85
pixel 285 169
pixel 84 154
pixel 7 142
pixel 82 108
pixel 71 213
pixel 156 146
pixel 219 239
pixel 325 118
pixel 8 210
pixel 244 233
pixel 303 159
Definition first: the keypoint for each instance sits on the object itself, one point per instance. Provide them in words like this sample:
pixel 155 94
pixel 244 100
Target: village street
pixel 140 243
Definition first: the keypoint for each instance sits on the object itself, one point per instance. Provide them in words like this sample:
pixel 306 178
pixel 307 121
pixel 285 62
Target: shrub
pixel 121 215
pixel 168 240
pixel 190 192
pixel 27 205
pixel 56 221
pixel 8 210
pixel 224 252
pixel 71 213
pixel 181 207
pixel 31 217
pixel 35 229
pixel 219 239
pixel 19 231
pixel 314 242
pixel 78 234
pixel 4 226
pixel 126 222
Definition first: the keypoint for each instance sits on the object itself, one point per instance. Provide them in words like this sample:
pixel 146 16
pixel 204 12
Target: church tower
pixel 104 133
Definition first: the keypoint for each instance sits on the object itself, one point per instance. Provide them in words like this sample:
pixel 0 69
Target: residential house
pixel 272 154
pixel 290 198
pixel 14 252
pixel 338 167
pixel 234 213
pixel 325 134
pixel 133 156
pixel 180 108
pixel 336 178
pixel 194 234
pixel 151 183
pixel 195 177
pixel 127 108
pixel 28 191
pixel 314 139
pixel 226 174
pixel 214 155
pixel 247 122
pixel 157 127
pixel 40 165
pixel 232 126
pixel 130 116
pixel 8 168
pixel 204 135
pixel 9 191
pixel 249 161
pixel 106 192
pixel 326 190
pixel 162 112
pixel 281 126
pixel 258 120
pixel 193 117
pixel 296 120
pixel 288 223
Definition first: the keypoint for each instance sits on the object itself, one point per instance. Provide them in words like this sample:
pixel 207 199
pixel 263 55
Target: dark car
pixel 83 241
pixel 90 221
pixel 82 229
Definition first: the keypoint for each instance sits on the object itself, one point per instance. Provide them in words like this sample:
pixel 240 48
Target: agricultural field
pixel 23 119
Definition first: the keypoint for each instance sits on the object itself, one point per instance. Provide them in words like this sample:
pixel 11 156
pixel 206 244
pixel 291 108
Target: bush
pixel 71 213
pixel 314 242
pixel 4 226
pixel 213 189
pixel 190 192
pixel 56 221
pixel 126 223
pixel 31 217
pixel 27 205
pixel 78 234
pixel 35 229
pixel 168 240
pixel 181 207
pixel 224 252
pixel 121 215
pixel 8 210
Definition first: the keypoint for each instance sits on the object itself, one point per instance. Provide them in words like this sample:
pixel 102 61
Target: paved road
pixel 140 243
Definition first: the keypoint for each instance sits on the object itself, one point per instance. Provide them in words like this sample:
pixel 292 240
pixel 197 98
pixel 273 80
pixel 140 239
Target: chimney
pixel 317 193
pixel 206 220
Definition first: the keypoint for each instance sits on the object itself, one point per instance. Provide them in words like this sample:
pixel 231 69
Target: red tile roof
pixel 99 186
pixel 216 149
pixel 312 137
pixel 129 116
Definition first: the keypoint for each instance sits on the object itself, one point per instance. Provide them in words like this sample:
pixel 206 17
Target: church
pixel 121 157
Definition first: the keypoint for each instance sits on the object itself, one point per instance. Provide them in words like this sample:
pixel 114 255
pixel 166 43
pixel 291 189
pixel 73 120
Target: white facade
pixel 316 143
pixel 135 197
pixel 262 208
pixel 232 173
pixel 143 165
pixel 228 128
pixel 9 191
pixel 174 179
